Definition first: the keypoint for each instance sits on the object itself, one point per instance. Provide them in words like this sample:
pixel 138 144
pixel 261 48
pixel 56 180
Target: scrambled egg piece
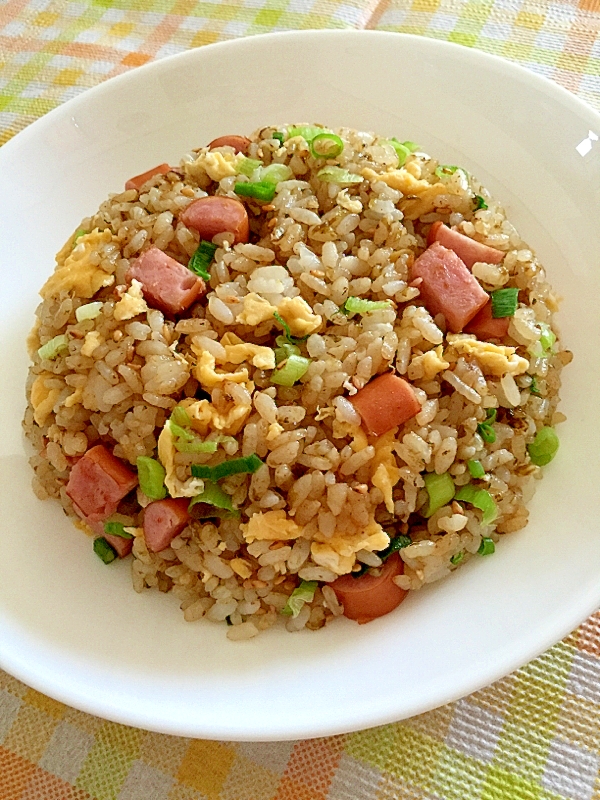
pixel 166 455
pixel 427 366
pixel 494 359
pixel 270 526
pixel 299 316
pixel 420 196
pixel 43 398
pixel 275 429
pixel 33 339
pixel 205 417
pixel 351 204
pixel 90 343
pixel 241 567
pixel 216 165
pixel 387 473
pixel 131 303
pixel 261 357
pixel 76 273
pixel 207 375
pixel 255 310
pixel 75 397
pixel 339 553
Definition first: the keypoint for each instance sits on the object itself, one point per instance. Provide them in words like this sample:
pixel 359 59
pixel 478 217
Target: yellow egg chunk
pixel 77 274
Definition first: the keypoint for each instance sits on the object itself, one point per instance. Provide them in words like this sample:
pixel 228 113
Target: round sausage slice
pixel 163 521
pixel 215 214
pixel 239 143
pixel 370 596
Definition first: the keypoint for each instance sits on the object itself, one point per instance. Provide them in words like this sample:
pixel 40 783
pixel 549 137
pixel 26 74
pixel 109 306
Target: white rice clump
pixel 117 380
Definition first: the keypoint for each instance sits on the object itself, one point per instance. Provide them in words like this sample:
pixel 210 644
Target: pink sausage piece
pixel 122 546
pixel 166 283
pixel 139 180
pixel 485 326
pixel 448 287
pixel 369 596
pixel 215 214
pixel 385 402
pixel 97 484
pixel 163 521
pixel 239 143
pixel 467 249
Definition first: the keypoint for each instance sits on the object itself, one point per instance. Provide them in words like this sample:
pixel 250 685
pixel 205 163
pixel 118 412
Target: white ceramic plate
pixel 72 627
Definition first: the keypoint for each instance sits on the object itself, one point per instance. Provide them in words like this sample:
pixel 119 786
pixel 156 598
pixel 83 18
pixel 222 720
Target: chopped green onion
pixel 480 202
pixel 338 175
pixel 202 258
pixel 440 489
pixel 505 302
pixel 117 529
pixel 396 543
pixel 308 132
pixel 78 234
pixel 88 311
pixel 326 145
pixel 104 550
pixel 402 151
pixel 292 369
pixel 213 495
pixel 487 546
pixel 486 429
pixel 475 469
pixel 151 475
pixel 285 351
pixel 287 330
pixel 544 447
pixel 180 417
pixel 412 146
pixel 279 136
pixel 457 558
pixel 54 348
pixel 275 173
pixel 481 499
pixel 302 594
pixel 248 165
pixel 258 190
pixel 533 388
pixel 196 446
pixel 180 433
pixel 356 305
pixel 547 338
pixel 443 170
pixel 234 466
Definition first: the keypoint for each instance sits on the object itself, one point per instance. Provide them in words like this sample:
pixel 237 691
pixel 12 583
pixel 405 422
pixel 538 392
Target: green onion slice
pixel 88 311
pixel 486 429
pixel 338 175
pixel 302 594
pixel 213 495
pixel 275 173
pixel 180 417
pixel 457 558
pixel 235 466
pixel 544 447
pixel 104 550
pixel 440 489
pixel 290 371
pixel 475 468
pixel 356 305
pixel 412 146
pixel 544 347
pixel 117 529
pixel 287 331
pixel 505 302
pixel 481 499
pixel 326 145
pixel 279 136
pixel 533 387
pixel 78 234
pixel 487 546
pixel 151 475
pixel 200 262
pixel 54 348
pixel 479 202
pixel 402 151
pixel 285 350
pixel 308 132
pixel 396 543
pixel 247 166
pixel 259 190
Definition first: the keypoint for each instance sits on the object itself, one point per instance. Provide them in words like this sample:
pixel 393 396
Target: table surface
pixel 534 735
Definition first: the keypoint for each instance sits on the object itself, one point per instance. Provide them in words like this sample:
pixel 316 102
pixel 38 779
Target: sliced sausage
pixel 385 402
pixel 166 284
pixel 139 180
pixel 371 596
pixel 485 326
pixel 121 545
pixel 97 483
pixel 163 521
pixel 215 214
pixel 448 287
pixel 467 249
pixel 239 143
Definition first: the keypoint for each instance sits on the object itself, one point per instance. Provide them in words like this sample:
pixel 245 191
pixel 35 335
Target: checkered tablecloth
pixel 534 735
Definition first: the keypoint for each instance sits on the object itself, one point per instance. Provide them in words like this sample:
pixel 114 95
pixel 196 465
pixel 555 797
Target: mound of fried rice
pixel 328 497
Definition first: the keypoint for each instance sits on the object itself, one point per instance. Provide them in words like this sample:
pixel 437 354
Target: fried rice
pixel 265 368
